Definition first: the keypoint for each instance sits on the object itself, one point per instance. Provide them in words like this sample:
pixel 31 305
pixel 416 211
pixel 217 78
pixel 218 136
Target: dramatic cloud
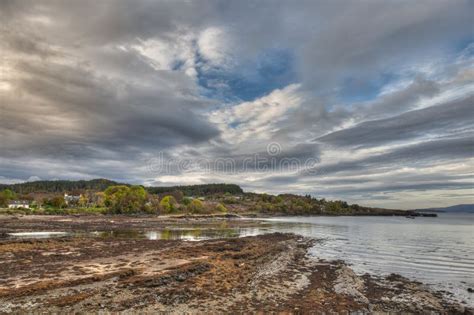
pixel 449 118
pixel 372 102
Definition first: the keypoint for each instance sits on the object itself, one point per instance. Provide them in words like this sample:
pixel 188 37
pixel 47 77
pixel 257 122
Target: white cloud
pixel 214 46
pixel 259 118
pixel 167 54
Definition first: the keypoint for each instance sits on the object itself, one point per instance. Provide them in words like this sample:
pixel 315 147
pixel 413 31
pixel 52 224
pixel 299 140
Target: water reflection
pixel 45 234
pixel 196 234
pixel 190 235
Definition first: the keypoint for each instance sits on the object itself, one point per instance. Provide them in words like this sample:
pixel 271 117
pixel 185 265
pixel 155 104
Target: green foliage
pixel 5 196
pixel 199 190
pixel 221 208
pixel 8 194
pixel 196 206
pixel 56 202
pixel 338 207
pixel 60 186
pixel 168 204
pixel 125 199
pixel 266 197
pixel 187 201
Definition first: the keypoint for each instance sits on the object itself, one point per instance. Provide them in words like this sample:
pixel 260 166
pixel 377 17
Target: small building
pixel 72 199
pixel 199 198
pixel 16 204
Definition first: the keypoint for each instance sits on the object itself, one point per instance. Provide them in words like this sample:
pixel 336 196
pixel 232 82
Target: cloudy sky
pixel 368 101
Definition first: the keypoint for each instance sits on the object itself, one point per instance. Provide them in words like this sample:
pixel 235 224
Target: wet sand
pixel 267 273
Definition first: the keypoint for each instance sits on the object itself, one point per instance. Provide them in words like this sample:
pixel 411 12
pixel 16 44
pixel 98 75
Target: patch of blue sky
pixel 249 80
pixel 355 90
pixel 465 47
pixel 234 124
pixel 177 65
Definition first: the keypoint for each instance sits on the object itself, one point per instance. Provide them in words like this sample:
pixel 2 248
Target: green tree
pixel 57 202
pixel 168 204
pixel 333 207
pixel 8 194
pixel 278 199
pixel 124 199
pixel 196 206
pixel 114 195
pixel 5 196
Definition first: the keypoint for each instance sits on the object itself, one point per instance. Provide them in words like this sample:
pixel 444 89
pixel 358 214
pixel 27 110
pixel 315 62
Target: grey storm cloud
pixel 415 154
pixel 222 163
pixel 396 187
pixel 98 88
pixel 450 117
pixel 402 100
pixel 98 111
pixel 411 155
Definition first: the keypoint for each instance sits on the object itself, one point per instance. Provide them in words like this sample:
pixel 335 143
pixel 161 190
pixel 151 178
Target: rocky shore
pixel 267 273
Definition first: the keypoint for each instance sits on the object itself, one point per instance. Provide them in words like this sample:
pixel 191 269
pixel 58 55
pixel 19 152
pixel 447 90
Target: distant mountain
pixel 467 208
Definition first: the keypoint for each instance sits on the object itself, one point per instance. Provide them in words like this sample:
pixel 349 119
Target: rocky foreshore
pixel 267 273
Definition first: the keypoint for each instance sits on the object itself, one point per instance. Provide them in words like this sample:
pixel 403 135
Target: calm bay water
pixel 436 251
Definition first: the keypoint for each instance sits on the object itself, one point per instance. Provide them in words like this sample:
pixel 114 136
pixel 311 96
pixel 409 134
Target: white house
pixel 72 199
pixel 15 204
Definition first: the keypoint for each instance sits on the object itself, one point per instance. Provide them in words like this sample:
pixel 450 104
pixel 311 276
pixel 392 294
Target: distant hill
pixel 61 186
pixel 466 208
pixel 199 190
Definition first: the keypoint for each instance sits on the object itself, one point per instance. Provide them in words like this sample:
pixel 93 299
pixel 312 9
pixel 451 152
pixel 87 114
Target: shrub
pixel 196 206
pixel 220 208
pixel 168 204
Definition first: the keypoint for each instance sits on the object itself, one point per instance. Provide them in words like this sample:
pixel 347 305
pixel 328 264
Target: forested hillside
pixel 199 190
pixel 60 186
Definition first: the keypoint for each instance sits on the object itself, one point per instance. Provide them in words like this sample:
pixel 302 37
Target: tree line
pixel 104 196
pixel 61 186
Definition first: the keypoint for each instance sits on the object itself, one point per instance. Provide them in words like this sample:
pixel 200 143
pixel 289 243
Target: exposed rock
pixel 350 284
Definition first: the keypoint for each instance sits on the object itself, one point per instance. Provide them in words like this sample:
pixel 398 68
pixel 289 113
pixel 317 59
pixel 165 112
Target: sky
pixel 367 101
